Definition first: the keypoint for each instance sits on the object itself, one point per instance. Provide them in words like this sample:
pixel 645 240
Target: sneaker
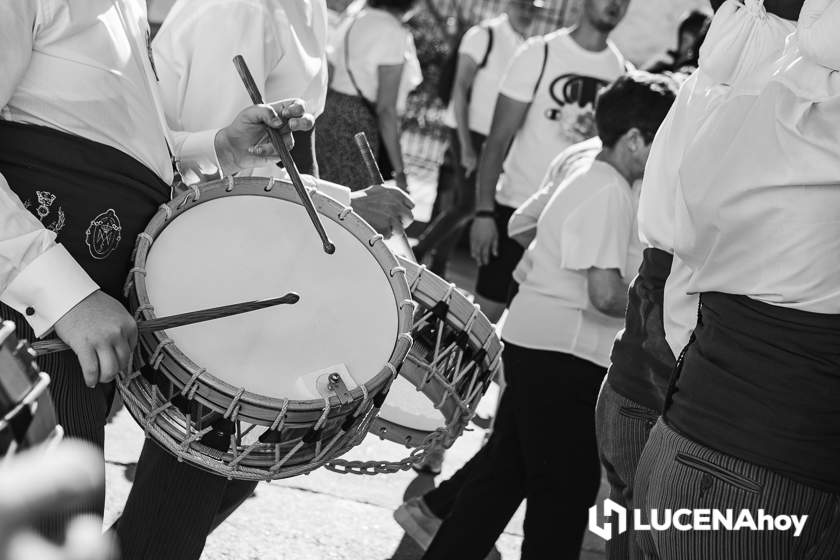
pixel 418 521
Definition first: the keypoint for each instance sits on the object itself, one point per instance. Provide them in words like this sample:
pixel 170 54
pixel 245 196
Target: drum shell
pixel 456 403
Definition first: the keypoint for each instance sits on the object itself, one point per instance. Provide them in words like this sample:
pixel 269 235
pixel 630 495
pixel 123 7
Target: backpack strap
pixel 368 103
pixel 542 70
pixel 489 48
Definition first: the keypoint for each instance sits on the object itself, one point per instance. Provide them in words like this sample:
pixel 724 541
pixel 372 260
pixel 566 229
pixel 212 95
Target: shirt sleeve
pixel 475 43
pixel 391 49
pixel 526 216
pixel 597 233
pixel 524 71
pixel 38 278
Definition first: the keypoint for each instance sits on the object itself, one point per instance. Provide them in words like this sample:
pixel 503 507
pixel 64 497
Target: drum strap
pixel 96 198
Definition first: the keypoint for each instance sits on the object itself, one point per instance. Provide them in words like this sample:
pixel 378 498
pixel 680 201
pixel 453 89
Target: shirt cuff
pixel 338 192
pixel 48 288
pixel 198 153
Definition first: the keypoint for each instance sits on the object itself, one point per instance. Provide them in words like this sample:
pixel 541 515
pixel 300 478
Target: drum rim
pixel 254 407
pixel 456 420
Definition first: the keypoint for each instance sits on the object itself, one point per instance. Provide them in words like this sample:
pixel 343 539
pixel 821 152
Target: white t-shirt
pixel 488 80
pixel 377 38
pixel 572 161
pixel 590 221
pixel 562 111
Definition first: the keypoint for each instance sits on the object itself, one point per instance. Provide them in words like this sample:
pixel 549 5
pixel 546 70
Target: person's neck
pixel 589 38
pixel 615 159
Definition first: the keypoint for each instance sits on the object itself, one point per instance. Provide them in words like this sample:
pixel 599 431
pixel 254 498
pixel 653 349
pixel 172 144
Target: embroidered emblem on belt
pixel 103 234
pixel 45 202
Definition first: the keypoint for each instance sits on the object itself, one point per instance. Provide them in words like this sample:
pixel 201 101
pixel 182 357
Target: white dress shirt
pixel 82 68
pixel 758 39
pixel 283 41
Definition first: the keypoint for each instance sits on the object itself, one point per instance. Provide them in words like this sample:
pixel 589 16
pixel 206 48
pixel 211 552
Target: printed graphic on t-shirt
pixel 575 111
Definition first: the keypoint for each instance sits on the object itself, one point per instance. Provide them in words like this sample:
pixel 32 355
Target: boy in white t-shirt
pixel 545 105
pixel 483 57
pixel 557 341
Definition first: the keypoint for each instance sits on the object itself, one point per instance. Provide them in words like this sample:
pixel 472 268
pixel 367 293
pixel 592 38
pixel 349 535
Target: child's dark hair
pixel 637 100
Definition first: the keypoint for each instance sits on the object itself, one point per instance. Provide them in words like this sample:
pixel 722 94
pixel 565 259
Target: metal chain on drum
pixel 372 468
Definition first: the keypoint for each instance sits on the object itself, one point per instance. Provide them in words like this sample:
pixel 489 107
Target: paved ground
pixel 326 516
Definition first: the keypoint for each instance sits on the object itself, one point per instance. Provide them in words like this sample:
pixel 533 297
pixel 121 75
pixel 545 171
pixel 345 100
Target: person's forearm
pixel 461 104
pixel 489 169
pixel 615 304
pixel 389 129
pixel 615 307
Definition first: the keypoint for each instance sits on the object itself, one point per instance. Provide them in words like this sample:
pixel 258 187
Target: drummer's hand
pixel 38 482
pixel 383 207
pixel 102 334
pixel 244 144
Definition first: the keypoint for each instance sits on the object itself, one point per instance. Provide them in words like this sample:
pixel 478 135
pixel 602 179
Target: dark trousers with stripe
pixel 676 472
pixel 173 506
pixel 542 449
pixel 622 426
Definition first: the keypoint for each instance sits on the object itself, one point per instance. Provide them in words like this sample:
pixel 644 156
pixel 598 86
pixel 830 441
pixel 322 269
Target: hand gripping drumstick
pixel 375 176
pixel 285 155
pixel 182 319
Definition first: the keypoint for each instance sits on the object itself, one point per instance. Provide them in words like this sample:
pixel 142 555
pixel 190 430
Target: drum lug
pixel 332 385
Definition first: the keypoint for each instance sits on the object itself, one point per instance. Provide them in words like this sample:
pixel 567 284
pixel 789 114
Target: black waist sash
pixel 642 361
pixel 762 382
pixel 96 198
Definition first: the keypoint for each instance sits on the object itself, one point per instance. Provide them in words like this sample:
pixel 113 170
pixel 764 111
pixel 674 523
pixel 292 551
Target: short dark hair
pixel 636 100
pixel 399 5
pixel 695 22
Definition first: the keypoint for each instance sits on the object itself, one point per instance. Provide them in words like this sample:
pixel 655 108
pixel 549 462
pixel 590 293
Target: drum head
pixel 406 406
pixel 248 247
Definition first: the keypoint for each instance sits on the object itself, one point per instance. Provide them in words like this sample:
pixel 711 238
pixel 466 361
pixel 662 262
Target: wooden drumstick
pixel 285 155
pixel 44 347
pixel 376 178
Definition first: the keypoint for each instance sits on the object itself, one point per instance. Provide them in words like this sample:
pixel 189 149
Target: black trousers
pixel 542 449
pixel 455 202
pixel 495 278
pixel 622 426
pixel 676 472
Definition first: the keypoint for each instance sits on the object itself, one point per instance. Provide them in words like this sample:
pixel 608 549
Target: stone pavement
pixel 323 515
